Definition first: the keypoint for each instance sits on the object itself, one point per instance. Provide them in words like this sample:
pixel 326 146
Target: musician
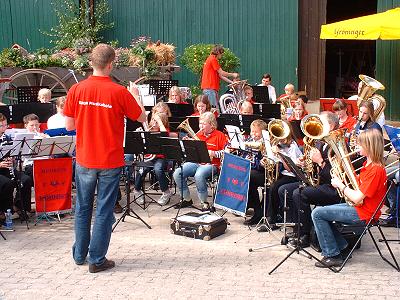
pixel 266 81
pixel 212 73
pixel 32 125
pixel 299 112
pixel 322 194
pixel 201 105
pixel 216 142
pixel 58 120
pixel 175 96
pixel 248 91
pixel 289 92
pixel 372 187
pixel 257 172
pixel 44 95
pixel 345 121
pixel 246 108
pixel 8 183
pixel 158 123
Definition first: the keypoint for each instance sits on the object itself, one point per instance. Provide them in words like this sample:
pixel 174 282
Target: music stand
pixel 295 129
pixel 133 144
pixel 267 110
pixel 161 88
pixel 261 94
pixel 43 110
pixel 180 110
pixel 184 151
pixel 303 182
pixel 241 121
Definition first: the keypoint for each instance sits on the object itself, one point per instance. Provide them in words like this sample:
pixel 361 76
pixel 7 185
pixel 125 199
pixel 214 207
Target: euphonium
pixel 230 104
pixel 315 129
pixel 367 91
pixel 186 127
pixel 340 161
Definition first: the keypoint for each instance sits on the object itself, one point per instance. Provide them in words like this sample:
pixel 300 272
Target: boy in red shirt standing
pixel 212 73
pixel 96 108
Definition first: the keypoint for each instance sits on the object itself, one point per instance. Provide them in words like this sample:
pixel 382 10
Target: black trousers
pixel 6 193
pixel 274 203
pixel 321 195
pixel 256 181
pixel 7 186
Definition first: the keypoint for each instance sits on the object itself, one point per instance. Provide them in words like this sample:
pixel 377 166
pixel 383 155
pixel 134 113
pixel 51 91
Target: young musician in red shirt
pixel 345 121
pixel 372 187
pixel 96 108
pixel 216 142
pixel 201 105
pixel 175 96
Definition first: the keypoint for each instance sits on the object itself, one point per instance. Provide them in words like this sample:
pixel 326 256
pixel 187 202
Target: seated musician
pixel 345 121
pixel 248 91
pixel 158 123
pixel 8 182
pixel 175 96
pixel 372 187
pixel 201 105
pixel 246 108
pixel 257 173
pixel 321 194
pixel 44 95
pixel 289 93
pixel 299 112
pixel 266 81
pixel 216 142
pixel 58 120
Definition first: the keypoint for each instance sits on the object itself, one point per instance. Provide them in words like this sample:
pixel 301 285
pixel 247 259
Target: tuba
pixel 314 129
pixel 231 103
pixel 340 161
pixel 186 127
pixel 367 92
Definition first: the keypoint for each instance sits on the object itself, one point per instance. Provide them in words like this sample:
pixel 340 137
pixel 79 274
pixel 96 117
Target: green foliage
pixel 194 56
pixel 146 56
pixel 12 58
pixel 76 23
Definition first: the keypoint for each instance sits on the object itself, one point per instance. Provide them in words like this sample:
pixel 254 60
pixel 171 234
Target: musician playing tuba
pixel 216 142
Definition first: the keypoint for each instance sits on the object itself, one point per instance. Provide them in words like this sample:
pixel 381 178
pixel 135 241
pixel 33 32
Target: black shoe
pixel 389 222
pixel 328 262
pixel 253 220
pixel 185 203
pixel 117 208
pixel 303 241
pixel 107 264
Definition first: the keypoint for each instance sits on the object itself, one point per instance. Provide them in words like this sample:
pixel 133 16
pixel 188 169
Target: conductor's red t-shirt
pixel 99 106
pixel 210 77
pixel 372 183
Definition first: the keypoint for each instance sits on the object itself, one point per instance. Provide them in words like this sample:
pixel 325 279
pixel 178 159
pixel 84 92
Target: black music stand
pixel 184 151
pixel 43 110
pixel 180 110
pixel 261 94
pixel 161 88
pixel 241 121
pixel 295 129
pixel 303 182
pixel 133 145
pixel 267 110
pixel 28 94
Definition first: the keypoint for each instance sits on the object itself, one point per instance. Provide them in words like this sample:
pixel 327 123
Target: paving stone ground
pixel 155 264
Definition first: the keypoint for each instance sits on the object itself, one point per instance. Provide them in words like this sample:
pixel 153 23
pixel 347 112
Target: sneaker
pixel 107 264
pixel 185 203
pixel 117 208
pixel 205 206
pixel 327 262
pixel 164 198
pixel 139 198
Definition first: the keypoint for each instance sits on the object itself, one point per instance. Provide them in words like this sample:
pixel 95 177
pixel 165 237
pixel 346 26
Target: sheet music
pixel 268 147
pixel 235 137
pixel 55 145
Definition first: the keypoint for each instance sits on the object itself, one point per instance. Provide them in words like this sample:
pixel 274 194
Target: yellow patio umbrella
pixel 385 26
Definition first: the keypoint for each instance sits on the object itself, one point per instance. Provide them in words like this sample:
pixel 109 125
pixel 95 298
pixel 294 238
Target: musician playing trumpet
pixel 215 141
pixel 372 187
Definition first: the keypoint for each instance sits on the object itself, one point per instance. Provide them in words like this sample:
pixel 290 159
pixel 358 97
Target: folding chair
pixel 373 223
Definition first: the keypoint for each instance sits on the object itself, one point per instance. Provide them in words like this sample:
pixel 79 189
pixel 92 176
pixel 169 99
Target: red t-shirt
pixel 215 141
pixel 210 77
pixel 372 183
pixel 98 106
pixel 348 124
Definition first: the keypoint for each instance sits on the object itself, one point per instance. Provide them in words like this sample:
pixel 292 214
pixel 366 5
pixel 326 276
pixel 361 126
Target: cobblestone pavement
pixel 155 264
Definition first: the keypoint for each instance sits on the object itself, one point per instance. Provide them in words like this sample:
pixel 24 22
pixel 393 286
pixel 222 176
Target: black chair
pixel 367 228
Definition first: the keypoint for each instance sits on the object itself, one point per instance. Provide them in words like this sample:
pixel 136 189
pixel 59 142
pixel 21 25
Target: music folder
pixel 294 169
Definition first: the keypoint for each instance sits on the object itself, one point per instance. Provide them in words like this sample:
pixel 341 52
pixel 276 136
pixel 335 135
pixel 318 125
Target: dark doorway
pixel 346 59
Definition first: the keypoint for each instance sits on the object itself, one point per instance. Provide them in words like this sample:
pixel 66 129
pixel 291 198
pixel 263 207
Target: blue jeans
pixel 107 181
pixel 330 239
pixel 159 167
pixel 212 97
pixel 200 173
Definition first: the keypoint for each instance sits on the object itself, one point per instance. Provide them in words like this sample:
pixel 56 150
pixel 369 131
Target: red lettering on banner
pixel 232 194
pixel 236 167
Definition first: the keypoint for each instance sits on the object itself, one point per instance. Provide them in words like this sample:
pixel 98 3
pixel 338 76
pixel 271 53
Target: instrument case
pixel 203 226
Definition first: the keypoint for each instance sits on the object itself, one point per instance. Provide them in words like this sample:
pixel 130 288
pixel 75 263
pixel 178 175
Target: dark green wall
pixel 21 21
pixel 262 33
pixel 388 67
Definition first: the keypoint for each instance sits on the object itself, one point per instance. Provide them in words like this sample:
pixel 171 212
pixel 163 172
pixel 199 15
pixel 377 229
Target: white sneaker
pixel 139 197
pixel 164 198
